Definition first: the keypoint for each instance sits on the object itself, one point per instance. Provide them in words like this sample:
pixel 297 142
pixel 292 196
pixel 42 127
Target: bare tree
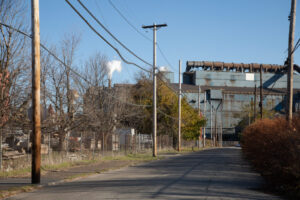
pixel 102 105
pixel 95 71
pixel 14 67
pixel 61 87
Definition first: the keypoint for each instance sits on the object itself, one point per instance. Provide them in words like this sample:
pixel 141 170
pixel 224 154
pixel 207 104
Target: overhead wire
pixel 105 23
pixel 105 40
pixel 116 39
pixel 296 46
pixel 140 33
pixel 79 75
pixel 167 115
pixel 68 67
pixel 78 13
pixel 128 22
pixel 165 58
pixel 120 41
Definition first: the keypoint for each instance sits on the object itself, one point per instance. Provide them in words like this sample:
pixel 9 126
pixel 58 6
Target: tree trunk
pixel 62 146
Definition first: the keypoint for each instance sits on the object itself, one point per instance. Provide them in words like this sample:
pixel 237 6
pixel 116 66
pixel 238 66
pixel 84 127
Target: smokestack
pixel 114 65
pixel 109 83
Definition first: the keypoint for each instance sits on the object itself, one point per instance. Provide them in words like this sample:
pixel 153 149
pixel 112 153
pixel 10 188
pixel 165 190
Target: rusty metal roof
pixel 222 66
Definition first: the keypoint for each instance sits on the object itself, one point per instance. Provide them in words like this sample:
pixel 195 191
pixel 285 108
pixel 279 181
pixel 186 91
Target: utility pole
pixel 199 114
pixel 261 94
pixel 292 19
pixel 221 129
pixel 250 110
pixel 204 112
pixel 216 128
pixel 179 109
pixel 254 114
pixel 1 153
pixel 36 125
pixel 154 27
pixel 211 126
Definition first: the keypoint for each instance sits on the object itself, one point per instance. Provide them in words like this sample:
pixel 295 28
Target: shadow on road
pixel 210 174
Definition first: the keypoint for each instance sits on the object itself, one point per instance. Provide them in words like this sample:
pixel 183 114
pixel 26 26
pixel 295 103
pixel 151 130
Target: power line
pixel 79 75
pixel 296 46
pixel 167 115
pixel 128 22
pixel 164 56
pixel 107 42
pixel 71 69
pixel 140 33
pixel 83 78
pixel 123 45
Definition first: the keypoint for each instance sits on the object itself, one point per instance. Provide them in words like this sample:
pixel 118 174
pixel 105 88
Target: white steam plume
pixel 114 65
pixel 163 69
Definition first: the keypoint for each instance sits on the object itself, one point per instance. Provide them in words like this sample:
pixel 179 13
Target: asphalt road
pixel 210 174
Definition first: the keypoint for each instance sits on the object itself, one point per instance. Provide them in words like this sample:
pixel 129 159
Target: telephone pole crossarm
pixel 155 25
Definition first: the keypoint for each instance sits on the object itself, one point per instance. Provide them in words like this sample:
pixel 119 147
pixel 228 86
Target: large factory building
pixel 225 93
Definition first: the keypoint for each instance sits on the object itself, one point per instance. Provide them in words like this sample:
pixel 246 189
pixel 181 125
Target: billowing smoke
pixel 163 69
pixel 114 65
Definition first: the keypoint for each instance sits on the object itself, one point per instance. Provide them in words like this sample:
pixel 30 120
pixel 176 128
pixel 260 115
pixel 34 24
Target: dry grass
pixel 132 157
pixel 273 146
pixel 16 190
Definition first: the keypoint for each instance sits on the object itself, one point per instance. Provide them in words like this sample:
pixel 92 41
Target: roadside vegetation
pixel 273 147
pixel 167 114
pixel 81 109
pixel 55 165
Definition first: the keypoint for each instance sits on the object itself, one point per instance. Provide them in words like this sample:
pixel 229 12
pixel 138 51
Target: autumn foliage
pixel 273 147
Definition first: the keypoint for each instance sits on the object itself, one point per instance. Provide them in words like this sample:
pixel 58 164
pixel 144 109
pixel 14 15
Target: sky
pixel 247 31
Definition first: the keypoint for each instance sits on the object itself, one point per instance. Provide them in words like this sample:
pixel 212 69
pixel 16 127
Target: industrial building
pixel 225 93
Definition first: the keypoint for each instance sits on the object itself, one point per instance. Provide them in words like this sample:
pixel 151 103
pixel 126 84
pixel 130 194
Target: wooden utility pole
pixel 255 95
pixel 261 93
pixel 36 125
pixel 289 95
pixel 221 126
pixel 199 114
pixel 211 121
pixel 250 110
pixel 204 114
pixel 179 109
pixel 154 27
pixel 216 128
pixel 1 153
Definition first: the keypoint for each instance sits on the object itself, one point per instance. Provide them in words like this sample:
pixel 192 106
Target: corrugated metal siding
pixel 233 107
pixel 236 92
pixel 235 79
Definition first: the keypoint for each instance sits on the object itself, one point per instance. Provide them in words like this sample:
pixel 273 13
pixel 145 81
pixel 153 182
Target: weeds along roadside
pixel 57 161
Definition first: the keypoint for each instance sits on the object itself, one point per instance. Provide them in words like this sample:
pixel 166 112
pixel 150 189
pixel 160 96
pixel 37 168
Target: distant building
pixel 166 75
pixel 229 89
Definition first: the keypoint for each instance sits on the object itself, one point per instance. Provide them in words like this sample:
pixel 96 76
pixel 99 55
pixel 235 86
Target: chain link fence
pixel 16 148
